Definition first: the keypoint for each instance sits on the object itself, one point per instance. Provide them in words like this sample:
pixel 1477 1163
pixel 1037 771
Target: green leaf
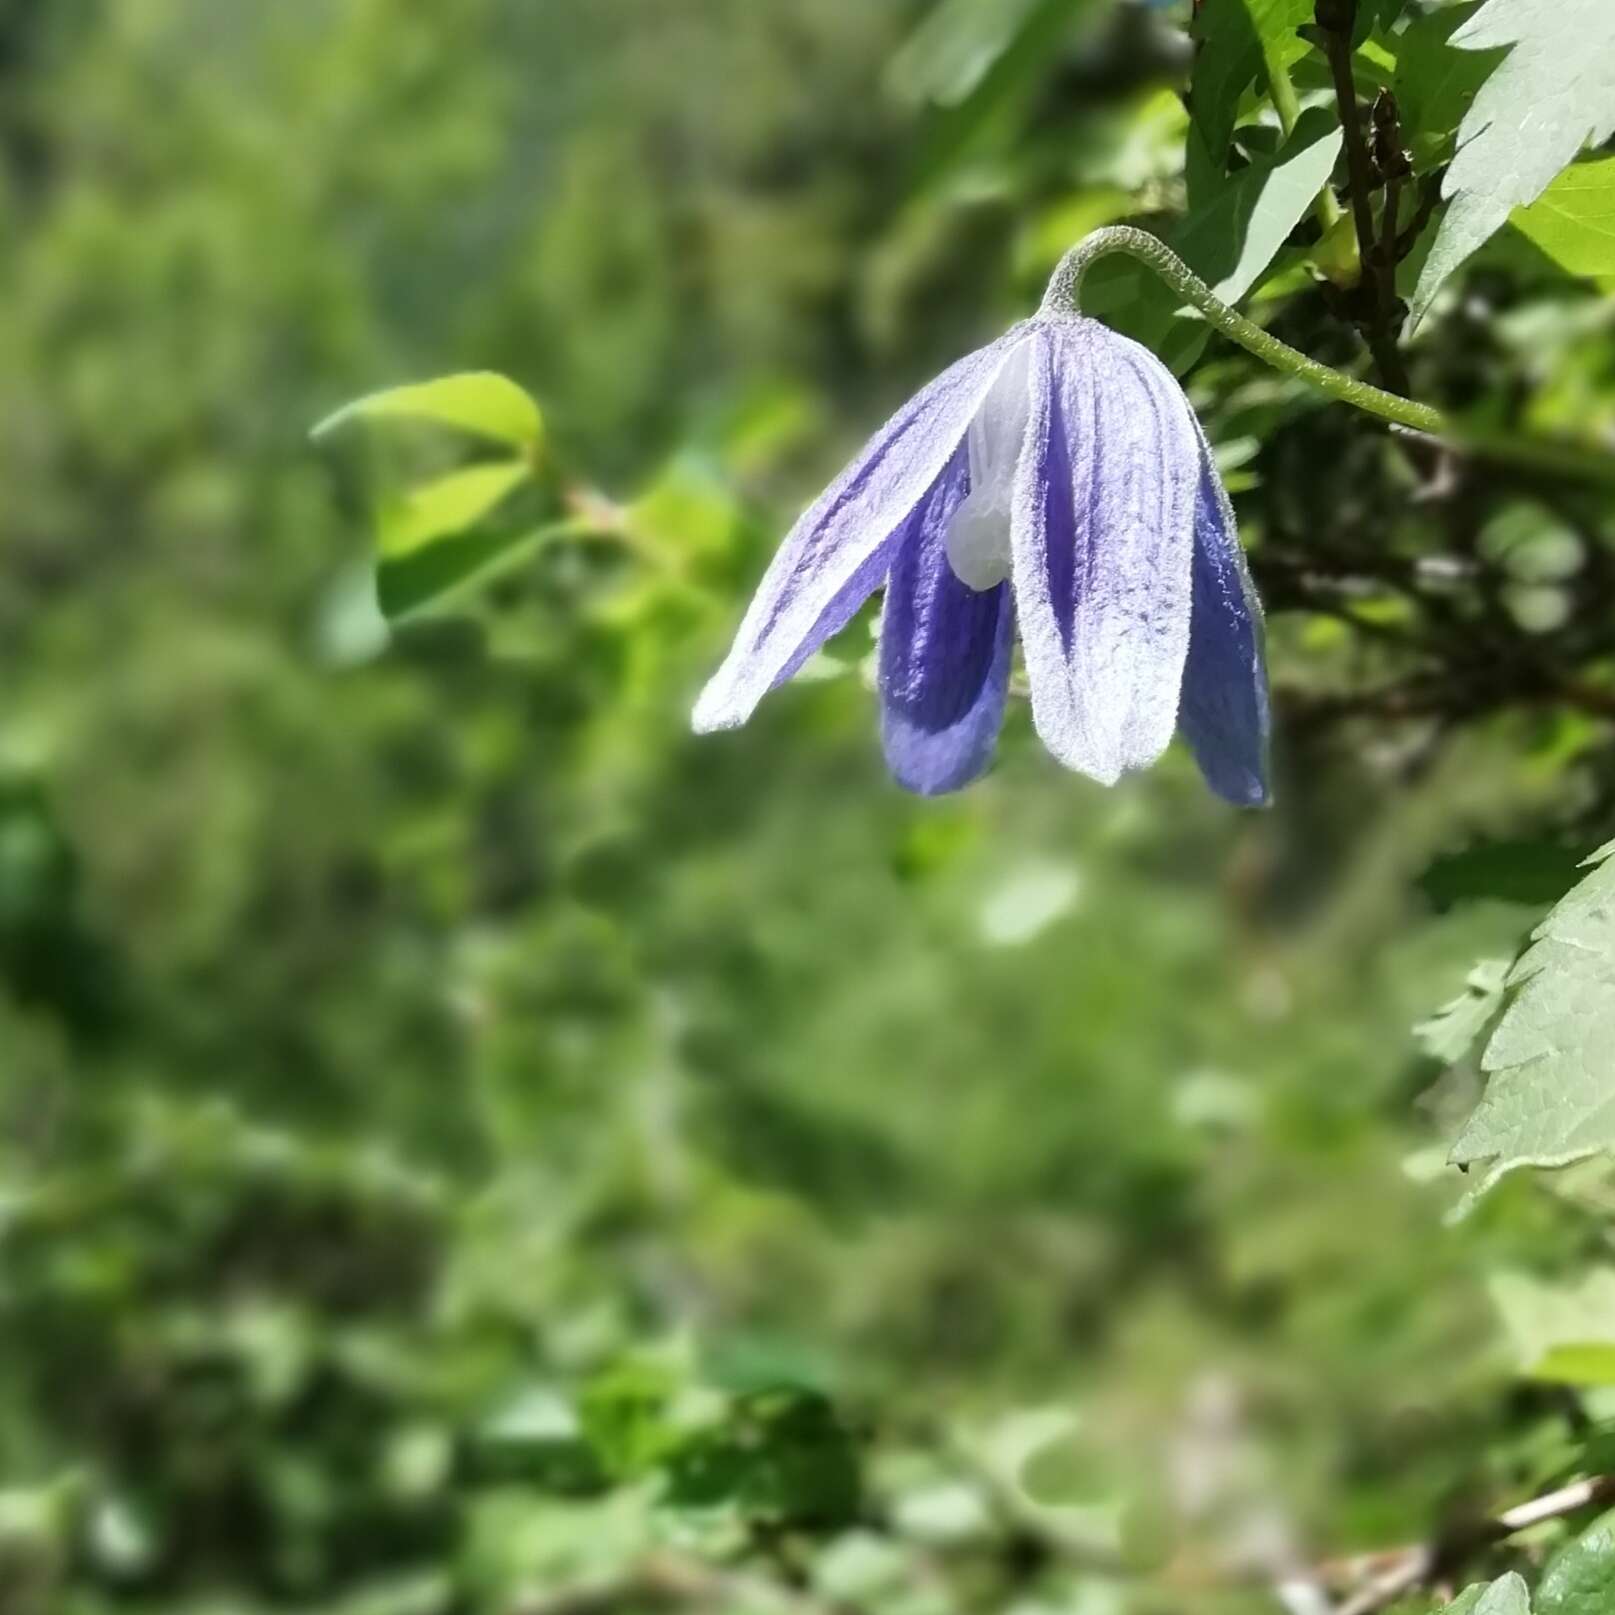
pixel 954 48
pixel 447 505
pixel 1228 240
pixel 784 1456
pixel 479 402
pixel 624 1412
pixel 1573 221
pixel 429 577
pixel 1551 1096
pixel 1022 63
pixel 1436 83
pixel 1564 1334
pixel 1240 40
pixel 1551 95
pixel 1578 1363
pixel 1238 234
pixel 1505 1596
pixel 1372 16
pixel 1448 1034
pixel 1580 1578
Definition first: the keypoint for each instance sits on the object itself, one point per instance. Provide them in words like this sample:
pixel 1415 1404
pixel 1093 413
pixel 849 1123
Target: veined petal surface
pixel 1224 714
pixel 1102 533
pixel 945 652
pixel 843 545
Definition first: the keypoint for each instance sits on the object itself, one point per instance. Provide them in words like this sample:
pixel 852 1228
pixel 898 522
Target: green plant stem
pixel 1066 284
pixel 1325 209
pixel 1379 277
pixel 1542 459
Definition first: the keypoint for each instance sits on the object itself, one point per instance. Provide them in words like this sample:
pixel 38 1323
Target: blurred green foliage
pixel 469 1146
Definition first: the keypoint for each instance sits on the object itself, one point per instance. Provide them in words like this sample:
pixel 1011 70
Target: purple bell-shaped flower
pixel 1055 483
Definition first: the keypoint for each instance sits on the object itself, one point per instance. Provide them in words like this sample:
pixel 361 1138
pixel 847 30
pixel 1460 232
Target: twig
pixel 1415 1570
pixel 1429 200
pixel 1335 20
pixel 1393 164
pixel 1554 1505
pixel 1425 1562
pixel 1303 1595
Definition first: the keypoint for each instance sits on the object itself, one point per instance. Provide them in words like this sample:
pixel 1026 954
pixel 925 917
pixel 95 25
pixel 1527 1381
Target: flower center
pixel 977 539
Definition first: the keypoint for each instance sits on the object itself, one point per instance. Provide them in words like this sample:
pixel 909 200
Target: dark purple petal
pixel 1102 533
pixel 944 655
pixel 1224 711
pixel 843 545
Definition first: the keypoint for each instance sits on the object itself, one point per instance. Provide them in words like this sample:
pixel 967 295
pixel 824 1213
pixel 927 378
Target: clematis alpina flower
pixel 1055 483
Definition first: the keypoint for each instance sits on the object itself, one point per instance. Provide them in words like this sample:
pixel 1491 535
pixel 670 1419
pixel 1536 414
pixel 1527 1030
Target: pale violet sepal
pixel 1056 482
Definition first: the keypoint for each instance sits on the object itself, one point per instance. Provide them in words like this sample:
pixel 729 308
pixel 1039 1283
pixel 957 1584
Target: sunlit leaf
pixel 1573 221
pixel 1240 40
pixel 1448 1034
pixel 1532 545
pixel 1238 232
pixel 434 574
pixel 479 402
pixel 1551 95
pixel 624 1412
pixel 1551 1094
pixel 448 504
pixel 1048 234
pixel 1228 240
pixel 1580 1578
pixel 1507 1595
pixel 1030 898
pixel 1562 1333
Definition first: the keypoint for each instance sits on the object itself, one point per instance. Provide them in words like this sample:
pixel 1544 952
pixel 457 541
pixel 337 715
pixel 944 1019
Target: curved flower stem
pixel 1584 462
pixel 1066 284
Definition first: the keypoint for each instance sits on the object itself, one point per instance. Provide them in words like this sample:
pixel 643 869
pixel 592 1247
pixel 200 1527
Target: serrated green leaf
pixel 433 575
pixel 1551 95
pixel 1551 1095
pixel 1580 1578
pixel 1573 221
pixel 1239 41
pixel 480 402
pixel 1561 1333
pixel 1228 240
pixel 1505 1596
pixel 449 504
pixel 1448 1034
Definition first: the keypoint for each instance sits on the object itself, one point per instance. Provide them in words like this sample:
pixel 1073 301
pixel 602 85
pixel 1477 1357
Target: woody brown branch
pixel 1335 21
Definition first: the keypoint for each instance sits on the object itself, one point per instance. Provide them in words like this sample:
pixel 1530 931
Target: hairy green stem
pixel 1542 459
pixel 1066 285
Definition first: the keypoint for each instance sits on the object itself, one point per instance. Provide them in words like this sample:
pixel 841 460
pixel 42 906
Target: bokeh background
pixel 470 1145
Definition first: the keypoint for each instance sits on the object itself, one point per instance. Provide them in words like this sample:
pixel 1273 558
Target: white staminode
pixel 977 539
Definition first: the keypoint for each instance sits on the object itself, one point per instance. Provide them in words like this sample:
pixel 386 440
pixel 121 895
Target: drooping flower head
pixel 1056 484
